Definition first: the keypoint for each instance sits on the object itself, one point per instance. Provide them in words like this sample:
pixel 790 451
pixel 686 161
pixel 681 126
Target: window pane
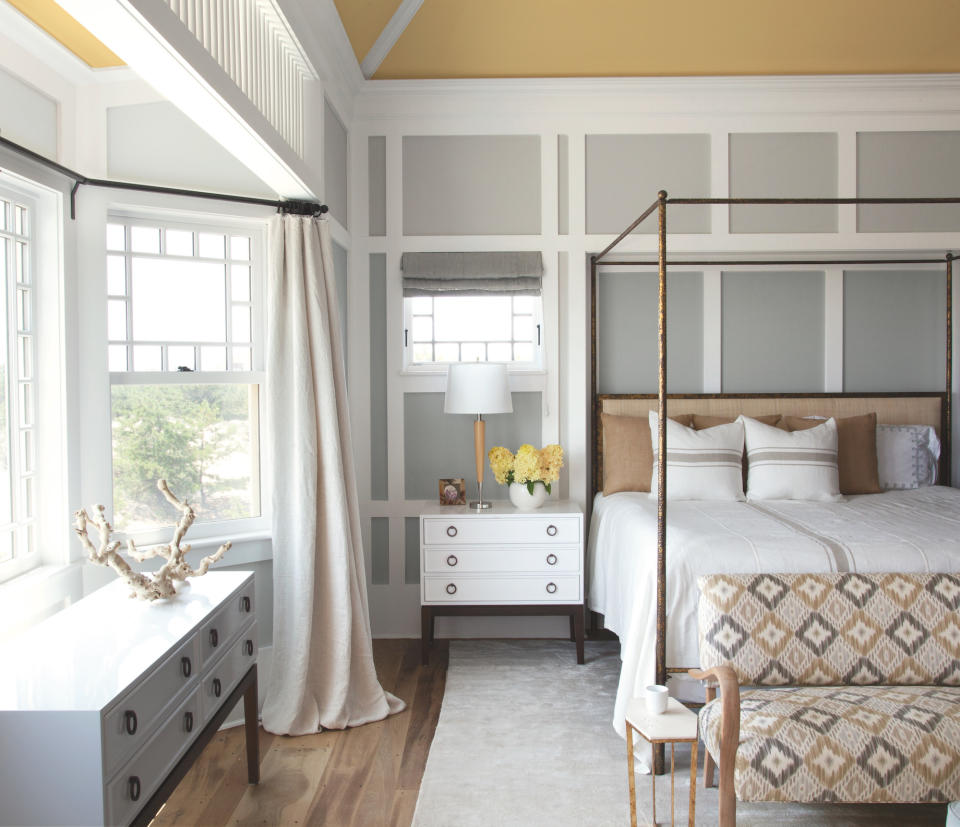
pixel 20 269
pixel 523 352
pixel 6 545
pixel 26 403
pixel 241 358
pixel 20 221
pixel 422 353
pixel 524 304
pixel 447 353
pixel 116 276
pixel 24 311
pixel 25 355
pixel 117 358
pixel 26 451
pixel 211 245
pixel 499 352
pixel 240 283
pixel 472 318
pixel 240 322
pixel 421 304
pixel 240 247
pixel 178 301
pixel 422 328
pixel 523 328
pixel 213 358
pixel 473 352
pixel 4 208
pixel 27 495
pixel 179 356
pixel 115 237
pixel 145 239
pixel 147 357
pixel 179 243
pixel 197 437
pixel 117 320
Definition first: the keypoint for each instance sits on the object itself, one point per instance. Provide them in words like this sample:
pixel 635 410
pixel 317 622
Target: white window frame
pixel 208 532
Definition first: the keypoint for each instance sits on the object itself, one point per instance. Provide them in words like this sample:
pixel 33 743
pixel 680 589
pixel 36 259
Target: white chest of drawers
pixel 501 561
pixel 104 705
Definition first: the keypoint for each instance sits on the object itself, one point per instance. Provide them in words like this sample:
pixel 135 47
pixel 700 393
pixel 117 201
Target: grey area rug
pixel 525 737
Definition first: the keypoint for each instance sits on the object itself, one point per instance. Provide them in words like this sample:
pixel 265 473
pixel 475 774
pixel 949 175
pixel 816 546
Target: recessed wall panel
pixel 471 185
pixel 335 164
pixel 627 332
pixel 27 117
pixel 377 184
pixel 625 173
pixel 908 165
pixel 411 550
pixel 380 551
pixel 563 184
pixel 783 165
pixel 773 331
pixel 894 336
pixel 378 376
pixel 439 445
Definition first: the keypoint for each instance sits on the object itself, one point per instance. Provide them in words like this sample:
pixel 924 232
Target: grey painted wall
pixel 437 445
pixel 411 550
pixel 27 117
pixel 156 142
pixel 377 184
pixel 563 184
pixel 908 164
pixel 893 330
pixel 471 185
pixel 772 331
pixel 625 172
pixel 378 376
pixel 380 551
pixel 335 165
pixel 627 339
pixel 783 165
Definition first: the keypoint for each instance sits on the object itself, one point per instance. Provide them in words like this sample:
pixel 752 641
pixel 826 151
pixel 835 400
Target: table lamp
pixel 477 388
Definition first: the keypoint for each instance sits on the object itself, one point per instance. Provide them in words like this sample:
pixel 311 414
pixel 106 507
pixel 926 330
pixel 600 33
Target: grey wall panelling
pixel 27 117
pixel 471 185
pixel 773 331
pixel 627 337
pixel 563 185
pixel 380 551
pixel 335 165
pixel 411 550
pixel 377 184
pixel 783 165
pixel 438 445
pixel 625 172
pixel 893 330
pixel 378 376
pixel 906 165
pixel 340 270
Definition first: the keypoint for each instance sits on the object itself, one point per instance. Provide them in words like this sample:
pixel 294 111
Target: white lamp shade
pixel 477 388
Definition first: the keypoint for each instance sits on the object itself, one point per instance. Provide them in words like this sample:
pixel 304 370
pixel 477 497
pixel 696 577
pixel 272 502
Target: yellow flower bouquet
pixel 528 466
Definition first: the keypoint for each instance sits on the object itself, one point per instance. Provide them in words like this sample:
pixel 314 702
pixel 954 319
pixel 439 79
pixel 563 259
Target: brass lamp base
pixel 479 505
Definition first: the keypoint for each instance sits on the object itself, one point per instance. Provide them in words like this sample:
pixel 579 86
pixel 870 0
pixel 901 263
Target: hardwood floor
pixel 366 776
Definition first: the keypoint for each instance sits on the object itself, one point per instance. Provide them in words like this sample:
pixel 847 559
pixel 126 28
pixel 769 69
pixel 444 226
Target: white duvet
pixel 907 531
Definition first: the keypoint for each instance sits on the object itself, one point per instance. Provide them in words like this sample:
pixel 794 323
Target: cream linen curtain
pixel 323 675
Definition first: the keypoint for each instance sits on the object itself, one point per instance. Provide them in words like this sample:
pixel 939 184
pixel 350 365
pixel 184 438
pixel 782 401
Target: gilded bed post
pixel 947 435
pixel 662 443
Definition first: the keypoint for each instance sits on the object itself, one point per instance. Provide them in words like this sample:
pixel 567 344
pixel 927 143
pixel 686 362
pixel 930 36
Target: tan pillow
pixel 701 421
pixel 627 451
pixel 856 450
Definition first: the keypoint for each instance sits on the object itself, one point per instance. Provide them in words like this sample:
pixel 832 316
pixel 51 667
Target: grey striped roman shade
pixel 472 274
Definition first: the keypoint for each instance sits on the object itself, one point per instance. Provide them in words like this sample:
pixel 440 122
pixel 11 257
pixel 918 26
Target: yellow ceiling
pixel 629 38
pixel 61 26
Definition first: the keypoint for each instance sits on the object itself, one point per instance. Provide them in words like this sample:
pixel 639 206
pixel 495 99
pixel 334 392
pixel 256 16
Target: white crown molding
pixel 388 38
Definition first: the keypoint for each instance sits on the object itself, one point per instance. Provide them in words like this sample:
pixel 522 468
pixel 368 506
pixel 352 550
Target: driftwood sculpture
pixel 146 586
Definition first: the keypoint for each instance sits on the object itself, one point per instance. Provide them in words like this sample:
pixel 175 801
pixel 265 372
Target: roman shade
pixel 472 274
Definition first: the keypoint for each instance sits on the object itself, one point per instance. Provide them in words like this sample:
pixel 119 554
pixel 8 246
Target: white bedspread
pixel 907 531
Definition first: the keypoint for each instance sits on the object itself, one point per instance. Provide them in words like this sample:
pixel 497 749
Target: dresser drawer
pixel 137 781
pixel 501 559
pixel 130 722
pixel 491 590
pixel 489 529
pixel 225 674
pixel 218 633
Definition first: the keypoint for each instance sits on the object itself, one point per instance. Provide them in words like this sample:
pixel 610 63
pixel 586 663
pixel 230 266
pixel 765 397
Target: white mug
pixel 656 699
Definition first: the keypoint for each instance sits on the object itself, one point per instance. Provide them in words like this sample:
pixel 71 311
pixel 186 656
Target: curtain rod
pixel 291 206
pixel 778 261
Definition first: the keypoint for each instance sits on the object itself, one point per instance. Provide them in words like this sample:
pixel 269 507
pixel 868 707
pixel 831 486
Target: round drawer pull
pixel 551 559
pixel 245 603
pixel 451 588
pixel 551 531
pixel 188 721
pixel 186 667
pixel 214 638
pixel 133 786
pixel 551 588
pixel 217 688
pixel 248 647
pixel 451 531
pixel 452 560
pixel 130 722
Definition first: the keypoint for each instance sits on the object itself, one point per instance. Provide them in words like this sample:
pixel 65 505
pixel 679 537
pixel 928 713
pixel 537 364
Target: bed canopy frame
pixel 660 208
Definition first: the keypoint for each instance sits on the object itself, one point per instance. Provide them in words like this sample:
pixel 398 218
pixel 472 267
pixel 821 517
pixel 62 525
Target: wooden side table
pixel 678 725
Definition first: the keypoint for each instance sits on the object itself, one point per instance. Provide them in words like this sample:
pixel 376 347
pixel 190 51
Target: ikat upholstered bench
pixel 855 687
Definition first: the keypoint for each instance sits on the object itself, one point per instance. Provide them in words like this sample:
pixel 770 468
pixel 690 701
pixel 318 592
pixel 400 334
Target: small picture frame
pixel 452 492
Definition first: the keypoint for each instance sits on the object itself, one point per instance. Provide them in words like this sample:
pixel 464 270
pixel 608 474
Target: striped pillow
pixel 701 465
pixel 792 465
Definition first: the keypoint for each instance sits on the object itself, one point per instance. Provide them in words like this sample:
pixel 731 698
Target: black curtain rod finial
pixel 294 207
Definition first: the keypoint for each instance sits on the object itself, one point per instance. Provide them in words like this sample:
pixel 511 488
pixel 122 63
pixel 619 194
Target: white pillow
pixel 792 465
pixel 701 465
pixel 907 456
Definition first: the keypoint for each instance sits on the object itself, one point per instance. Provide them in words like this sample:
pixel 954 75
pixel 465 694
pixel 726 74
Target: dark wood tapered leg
pixel 577 620
pixel 573 633
pixel 251 734
pixel 426 633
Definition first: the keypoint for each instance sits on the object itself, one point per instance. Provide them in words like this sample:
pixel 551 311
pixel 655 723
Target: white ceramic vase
pixel 523 499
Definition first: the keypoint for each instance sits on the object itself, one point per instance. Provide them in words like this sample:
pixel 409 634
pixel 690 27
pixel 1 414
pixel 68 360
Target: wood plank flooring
pixel 366 776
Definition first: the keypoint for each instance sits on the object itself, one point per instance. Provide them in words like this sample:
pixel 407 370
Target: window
pixel 184 324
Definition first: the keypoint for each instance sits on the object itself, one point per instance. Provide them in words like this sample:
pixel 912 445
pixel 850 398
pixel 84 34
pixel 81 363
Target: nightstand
pixel 501 562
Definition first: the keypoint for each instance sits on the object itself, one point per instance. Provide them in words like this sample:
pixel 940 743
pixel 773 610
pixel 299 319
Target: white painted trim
pixel 388 38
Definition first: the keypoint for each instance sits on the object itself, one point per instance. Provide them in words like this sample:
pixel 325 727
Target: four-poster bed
pixel 796 529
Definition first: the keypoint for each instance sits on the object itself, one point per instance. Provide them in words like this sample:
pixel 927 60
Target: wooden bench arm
pixel 729 736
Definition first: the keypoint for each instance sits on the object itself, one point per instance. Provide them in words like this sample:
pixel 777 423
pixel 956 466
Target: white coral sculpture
pixel 159 584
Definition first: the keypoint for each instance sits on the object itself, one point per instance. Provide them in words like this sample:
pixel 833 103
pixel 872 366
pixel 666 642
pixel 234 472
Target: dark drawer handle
pixel 452 560
pixel 245 603
pixel 188 721
pixel 217 689
pixel 214 638
pixel 186 667
pixel 551 531
pixel 551 588
pixel 133 786
pixel 451 531
pixel 551 559
pixel 248 647
pixel 451 588
pixel 130 722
